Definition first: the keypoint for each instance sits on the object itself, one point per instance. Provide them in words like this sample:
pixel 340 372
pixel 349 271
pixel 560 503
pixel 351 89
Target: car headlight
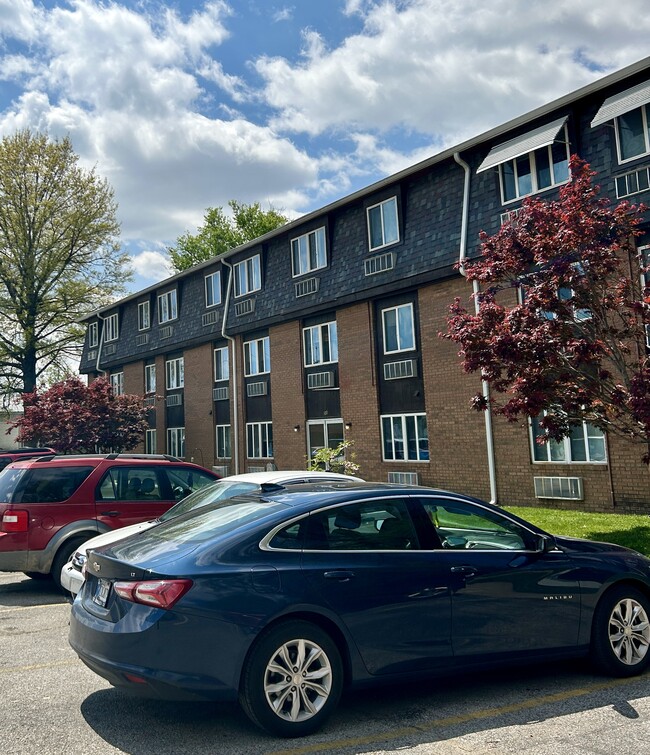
pixel 78 561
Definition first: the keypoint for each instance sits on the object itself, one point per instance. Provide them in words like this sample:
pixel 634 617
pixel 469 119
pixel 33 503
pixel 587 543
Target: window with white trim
pixel 326 433
pixel 221 364
pixel 144 316
pixel 585 443
pixel 257 356
pixel 117 383
pixel 259 440
pixel 213 289
pixel 321 344
pixel 398 328
pixel 405 437
pixel 633 133
pixel 150 442
pixel 535 171
pixel 150 378
pixel 176 441
pixel 247 275
pixel 308 252
pixel 175 373
pixel 111 328
pixel 223 442
pixel 167 306
pixel 383 228
pixel 93 335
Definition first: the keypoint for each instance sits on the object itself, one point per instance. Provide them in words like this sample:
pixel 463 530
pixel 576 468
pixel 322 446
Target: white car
pixel 71 574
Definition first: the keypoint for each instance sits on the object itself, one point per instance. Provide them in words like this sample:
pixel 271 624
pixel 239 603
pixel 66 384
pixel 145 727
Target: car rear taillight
pixel 159 593
pixel 15 521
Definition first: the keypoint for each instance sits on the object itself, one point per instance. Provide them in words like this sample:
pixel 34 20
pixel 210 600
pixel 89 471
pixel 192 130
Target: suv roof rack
pixel 26 450
pixel 143 456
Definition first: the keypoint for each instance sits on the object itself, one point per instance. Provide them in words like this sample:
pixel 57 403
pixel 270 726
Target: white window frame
pixel 382 210
pixel 259 436
pixel 213 289
pixel 111 328
pixel 223 441
pixel 117 383
pixel 309 252
pixel 422 456
pixel 168 306
pixel 221 364
pixel 93 335
pixel 563 447
pixel 562 138
pixel 645 119
pixel 400 348
pixel 144 315
pixel 150 378
pixel 150 441
pixel 324 424
pixel 257 356
pixel 247 275
pixel 176 442
pixel 314 336
pixel 175 373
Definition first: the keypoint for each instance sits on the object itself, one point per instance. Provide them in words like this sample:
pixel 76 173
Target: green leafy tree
pixel 221 232
pixel 334 460
pixel 59 256
pixel 75 418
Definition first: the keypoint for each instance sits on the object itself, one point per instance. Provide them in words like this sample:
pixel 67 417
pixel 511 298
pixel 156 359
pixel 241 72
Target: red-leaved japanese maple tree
pixel 572 344
pixel 75 418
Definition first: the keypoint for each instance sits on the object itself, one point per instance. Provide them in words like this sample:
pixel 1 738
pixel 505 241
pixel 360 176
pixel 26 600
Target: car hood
pixel 577 544
pixel 113 536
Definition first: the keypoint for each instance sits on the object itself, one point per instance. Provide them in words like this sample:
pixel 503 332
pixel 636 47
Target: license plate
pixel 101 593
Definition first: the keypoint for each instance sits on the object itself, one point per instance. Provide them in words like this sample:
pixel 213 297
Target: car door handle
pixel 110 513
pixel 339 576
pixel 466 571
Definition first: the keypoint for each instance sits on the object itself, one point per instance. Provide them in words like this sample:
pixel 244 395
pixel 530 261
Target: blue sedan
pixel 281 599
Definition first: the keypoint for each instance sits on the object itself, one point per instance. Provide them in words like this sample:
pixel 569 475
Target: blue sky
pixel 185 105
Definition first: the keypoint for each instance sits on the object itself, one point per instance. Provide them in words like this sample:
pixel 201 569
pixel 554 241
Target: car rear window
pixel 41 484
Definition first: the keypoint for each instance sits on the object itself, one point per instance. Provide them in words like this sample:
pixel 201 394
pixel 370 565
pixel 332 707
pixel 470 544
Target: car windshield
pixel 218 491
pixel 219 519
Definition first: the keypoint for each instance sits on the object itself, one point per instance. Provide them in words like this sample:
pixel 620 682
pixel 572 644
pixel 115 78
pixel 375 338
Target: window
pixel 93 335
pixel 150 442
pixel 327 433
pixel 532 172
pixel 382 223
pixel 223 442
pixel 247 276
pixel 399 329
pixel 404 437
pixel 176 441
pixel 167 306
pixel 213 289
pixel 117 383
pixel 308 252
pixel 221 364
pixel 175 372
pixel 585 443
pixel 633 133
pixel 257 356
pixel 321 344
pixel 184 481
pixel 150 378
pixel 144 316
pixel 130 484
pixel 111 329
pixel 259 440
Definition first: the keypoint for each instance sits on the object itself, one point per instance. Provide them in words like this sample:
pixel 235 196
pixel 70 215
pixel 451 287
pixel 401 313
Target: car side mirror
pixel 543 544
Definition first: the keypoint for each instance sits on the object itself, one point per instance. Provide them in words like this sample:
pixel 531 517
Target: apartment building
pixel 328 327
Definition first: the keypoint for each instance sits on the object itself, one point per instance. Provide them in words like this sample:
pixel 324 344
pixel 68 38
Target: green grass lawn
pixel 630 530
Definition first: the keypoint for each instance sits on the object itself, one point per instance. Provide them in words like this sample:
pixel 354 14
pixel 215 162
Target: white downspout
pixel 489 436
pixel 235 414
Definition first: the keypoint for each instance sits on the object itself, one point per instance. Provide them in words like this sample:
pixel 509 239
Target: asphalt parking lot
pixel 51 703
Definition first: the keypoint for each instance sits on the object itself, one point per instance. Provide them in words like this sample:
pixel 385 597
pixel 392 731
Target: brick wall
pixel 199 424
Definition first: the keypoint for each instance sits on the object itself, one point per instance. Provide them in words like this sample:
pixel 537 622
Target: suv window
pixel 41 484
pixel 130 484
pixel 186 481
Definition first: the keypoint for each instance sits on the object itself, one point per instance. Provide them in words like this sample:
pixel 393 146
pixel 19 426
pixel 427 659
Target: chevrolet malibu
pixel 282 599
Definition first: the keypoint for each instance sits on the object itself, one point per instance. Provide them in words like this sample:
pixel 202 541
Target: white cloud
pixel 151 266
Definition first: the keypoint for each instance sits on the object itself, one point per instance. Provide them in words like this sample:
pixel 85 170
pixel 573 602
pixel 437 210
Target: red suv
pixel 51 504
pixel 18 454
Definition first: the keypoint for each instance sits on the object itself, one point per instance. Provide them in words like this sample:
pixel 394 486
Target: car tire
pixel 62 556
pixel 294 651
pixel 620 636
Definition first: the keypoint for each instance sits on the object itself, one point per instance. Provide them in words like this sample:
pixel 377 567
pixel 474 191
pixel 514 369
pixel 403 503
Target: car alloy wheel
pixel 629 631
